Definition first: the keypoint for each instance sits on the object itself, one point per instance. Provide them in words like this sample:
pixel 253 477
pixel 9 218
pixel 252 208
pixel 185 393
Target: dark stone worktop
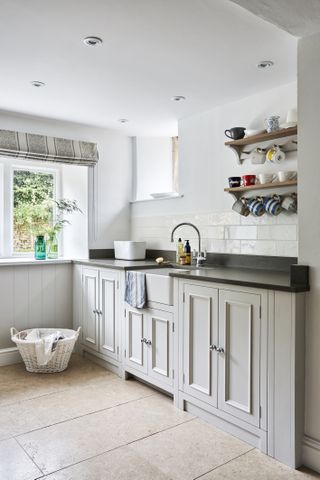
pixel 293 281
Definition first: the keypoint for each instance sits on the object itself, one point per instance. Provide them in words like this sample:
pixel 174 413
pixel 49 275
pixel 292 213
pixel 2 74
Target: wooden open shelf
pixel 286 138
pixel 259 186
pixel 264 137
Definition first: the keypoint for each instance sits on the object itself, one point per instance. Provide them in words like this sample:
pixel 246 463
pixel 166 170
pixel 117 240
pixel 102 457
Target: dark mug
pixel 235 133
pixel 234 182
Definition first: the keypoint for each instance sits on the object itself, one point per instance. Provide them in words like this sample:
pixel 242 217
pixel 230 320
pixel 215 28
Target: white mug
pixel 266 178
pixel 289 203
pixel 285 176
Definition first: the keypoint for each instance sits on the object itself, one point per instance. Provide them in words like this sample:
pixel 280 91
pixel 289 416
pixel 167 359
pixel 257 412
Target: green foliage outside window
pixel 33 194
pixel 35 211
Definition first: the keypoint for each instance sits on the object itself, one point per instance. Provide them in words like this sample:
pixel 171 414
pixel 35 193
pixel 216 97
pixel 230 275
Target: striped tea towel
pixel 136 292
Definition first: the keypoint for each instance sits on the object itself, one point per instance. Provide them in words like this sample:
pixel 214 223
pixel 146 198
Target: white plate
pixel 164 195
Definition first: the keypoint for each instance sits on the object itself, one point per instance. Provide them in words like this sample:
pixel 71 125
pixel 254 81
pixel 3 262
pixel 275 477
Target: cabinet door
pixel 90 292
pixel 108 308
pixel 136 333
pixel 200 325
pixel 159 345
pixel 239 363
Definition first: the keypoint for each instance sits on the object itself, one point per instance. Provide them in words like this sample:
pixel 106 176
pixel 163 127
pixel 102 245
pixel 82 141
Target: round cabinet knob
pixel 95 311
pixel 212 347
pixel 143 340
pixel 220 350
pixel 148 342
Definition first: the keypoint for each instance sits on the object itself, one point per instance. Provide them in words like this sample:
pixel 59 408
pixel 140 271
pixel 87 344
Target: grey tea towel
pixel 135 292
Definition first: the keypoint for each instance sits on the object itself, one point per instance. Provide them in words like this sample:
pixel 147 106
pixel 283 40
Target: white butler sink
pixel 160 285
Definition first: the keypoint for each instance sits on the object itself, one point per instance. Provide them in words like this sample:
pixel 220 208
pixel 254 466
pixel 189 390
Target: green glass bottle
pixel 52 246
pixel 40 248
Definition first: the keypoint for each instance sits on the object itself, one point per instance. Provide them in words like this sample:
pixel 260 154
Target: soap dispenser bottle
pixel 179 250
pixel 187 252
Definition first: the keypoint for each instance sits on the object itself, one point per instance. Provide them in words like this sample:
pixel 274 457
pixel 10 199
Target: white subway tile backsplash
pixel 224 218
pixel 241 232
pixel 287 249
pixel 222 232
pixel 251 247
pixel 214 232
pixel 263 220
pixel 221 246
pixel 286 218
pixel 277 232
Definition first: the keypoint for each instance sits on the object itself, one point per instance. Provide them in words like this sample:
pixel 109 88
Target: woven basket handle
pixel 78 331
pixel 13 331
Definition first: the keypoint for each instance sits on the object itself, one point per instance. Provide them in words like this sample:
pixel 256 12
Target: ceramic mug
pixel 272 123
pixel 289 203
pixel 258 156
pixel 235 133
pixel 285 176
pixel 256 206
pixel 234 182
pixel 248 180
pixel 266 178
pixel 241 207
pixel 272 205
pixel 275 154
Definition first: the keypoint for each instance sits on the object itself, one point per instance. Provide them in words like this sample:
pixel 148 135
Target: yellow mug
pixel 275 154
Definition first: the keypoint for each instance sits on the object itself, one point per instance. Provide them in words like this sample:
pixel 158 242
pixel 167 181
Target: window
pixel 33 195
pixel 155 166
pixel 27 189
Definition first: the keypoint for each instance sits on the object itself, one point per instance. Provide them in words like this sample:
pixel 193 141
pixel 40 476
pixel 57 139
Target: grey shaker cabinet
pixel 149 345
pixel 200 334
pixel 221 349
pixel 100 311
pixel 239 362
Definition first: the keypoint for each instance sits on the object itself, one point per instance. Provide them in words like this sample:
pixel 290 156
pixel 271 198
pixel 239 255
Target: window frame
pixel 7 169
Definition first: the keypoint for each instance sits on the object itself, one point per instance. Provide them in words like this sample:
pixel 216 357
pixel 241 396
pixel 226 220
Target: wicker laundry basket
pixel 60 357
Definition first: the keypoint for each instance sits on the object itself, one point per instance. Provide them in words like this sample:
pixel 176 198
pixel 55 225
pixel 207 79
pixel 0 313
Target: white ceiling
pixel 205 50
pixel 298 17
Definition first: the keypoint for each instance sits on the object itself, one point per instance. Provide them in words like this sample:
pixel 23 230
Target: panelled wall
pixel 204 167
pixel 33 296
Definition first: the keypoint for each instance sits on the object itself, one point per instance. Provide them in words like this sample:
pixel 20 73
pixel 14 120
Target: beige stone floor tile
pixel 17 384
pixel 25 416
pixel 254 465
pixel 120 464
pixel 189 450
pixel 64 444
pixel 15 463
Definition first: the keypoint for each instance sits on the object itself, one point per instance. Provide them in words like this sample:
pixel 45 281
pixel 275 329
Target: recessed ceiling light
pixel 265 64
pixel 123 120
pixel 38 84
pixel 178 98
pixel 92 41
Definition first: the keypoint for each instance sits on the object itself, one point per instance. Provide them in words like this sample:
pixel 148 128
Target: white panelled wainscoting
pixel 38 295
pixel 225 232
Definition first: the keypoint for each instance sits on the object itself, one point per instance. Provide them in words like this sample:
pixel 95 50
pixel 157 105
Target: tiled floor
pixel 87 424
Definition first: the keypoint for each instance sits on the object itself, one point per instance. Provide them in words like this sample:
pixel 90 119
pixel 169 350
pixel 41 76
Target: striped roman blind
pixel 31 146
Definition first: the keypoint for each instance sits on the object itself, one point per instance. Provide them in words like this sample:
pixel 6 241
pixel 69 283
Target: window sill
pixel 157 199
pixel 31 261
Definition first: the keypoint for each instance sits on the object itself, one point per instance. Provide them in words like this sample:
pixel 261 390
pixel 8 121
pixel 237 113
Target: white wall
pixel 309 231
pixel 205 165
pixel 153 166
pixel 112 175
pixel 74 184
